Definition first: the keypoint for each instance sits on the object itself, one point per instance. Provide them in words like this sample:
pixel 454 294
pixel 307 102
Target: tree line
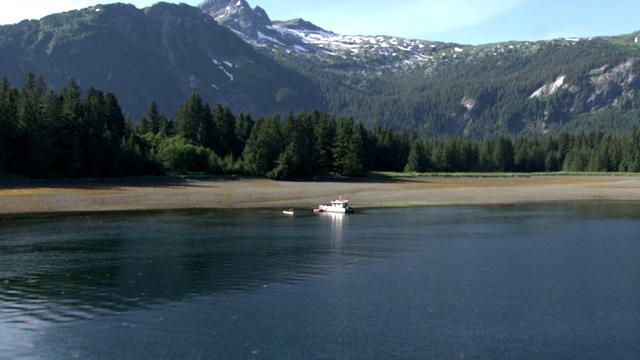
pixel 70 134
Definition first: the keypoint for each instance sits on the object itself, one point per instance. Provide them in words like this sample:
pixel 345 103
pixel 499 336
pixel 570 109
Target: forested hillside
pixel 162 53
pixel 514 88
pixel 165 52
pixel 76 133
pixel 505 89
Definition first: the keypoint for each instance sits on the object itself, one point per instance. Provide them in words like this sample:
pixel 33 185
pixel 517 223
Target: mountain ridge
pixel 161 53
pixel 164 52
pixel 299 35
pixel 604 78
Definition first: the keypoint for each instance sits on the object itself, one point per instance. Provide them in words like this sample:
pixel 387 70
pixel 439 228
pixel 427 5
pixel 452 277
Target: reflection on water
pixel 336 222
pixel 547 281
pixel 74 268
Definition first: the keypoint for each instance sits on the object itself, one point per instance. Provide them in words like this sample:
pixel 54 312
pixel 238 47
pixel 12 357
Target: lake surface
pixel 498 282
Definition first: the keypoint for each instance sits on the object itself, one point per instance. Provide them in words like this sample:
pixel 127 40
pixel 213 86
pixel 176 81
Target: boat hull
pixel 336 206
pixel 333 209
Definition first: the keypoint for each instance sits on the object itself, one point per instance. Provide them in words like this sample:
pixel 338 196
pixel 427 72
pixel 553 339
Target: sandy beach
pixel 53 196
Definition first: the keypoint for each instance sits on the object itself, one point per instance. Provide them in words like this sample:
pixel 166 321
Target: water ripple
pixel 384 283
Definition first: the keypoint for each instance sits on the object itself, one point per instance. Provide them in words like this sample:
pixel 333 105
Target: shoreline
pixel 149 194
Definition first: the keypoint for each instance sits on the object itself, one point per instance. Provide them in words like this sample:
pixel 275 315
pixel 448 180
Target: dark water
pixel 507 282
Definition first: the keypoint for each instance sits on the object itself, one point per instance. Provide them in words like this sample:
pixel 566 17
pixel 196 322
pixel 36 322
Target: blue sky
pixel 461 21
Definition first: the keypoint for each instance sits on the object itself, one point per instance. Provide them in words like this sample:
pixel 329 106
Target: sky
pixel 471 22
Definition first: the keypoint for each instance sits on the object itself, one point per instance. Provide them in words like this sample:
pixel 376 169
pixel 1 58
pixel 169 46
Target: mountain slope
pixel 443 88
pixel 304 39
pixel 161 53
pixel 254 64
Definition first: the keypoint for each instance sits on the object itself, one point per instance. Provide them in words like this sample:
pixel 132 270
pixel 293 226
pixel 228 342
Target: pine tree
pixel 264 146
pixel 8 126
pixel 243 126
pixel 154 118
pixel 418 160
pixel 299 155
pixel 3 156
pixel 95 120
pixel 51 109
pixel 115 118
pixel 34 148
pixel 349 152
pixel 193 121
pixel 324 133
pixel 69 132
pixel 154 121
pixel 224 124
pixel 502 159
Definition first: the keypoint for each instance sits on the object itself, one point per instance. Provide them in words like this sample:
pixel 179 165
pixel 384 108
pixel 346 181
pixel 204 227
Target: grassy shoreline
pixel 378 190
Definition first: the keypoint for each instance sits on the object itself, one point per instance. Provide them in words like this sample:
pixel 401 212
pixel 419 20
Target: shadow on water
pixel 67 267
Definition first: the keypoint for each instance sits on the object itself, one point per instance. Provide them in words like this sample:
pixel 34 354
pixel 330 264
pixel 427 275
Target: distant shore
pixel 58 196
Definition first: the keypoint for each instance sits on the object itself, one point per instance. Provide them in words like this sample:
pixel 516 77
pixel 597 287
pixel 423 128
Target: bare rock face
pixel 619 81
pixel 237 15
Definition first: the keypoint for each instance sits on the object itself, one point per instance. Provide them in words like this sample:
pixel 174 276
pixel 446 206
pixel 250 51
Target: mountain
pixel 162 53
pixel 446 88
pixel 246 60
pixel 302 38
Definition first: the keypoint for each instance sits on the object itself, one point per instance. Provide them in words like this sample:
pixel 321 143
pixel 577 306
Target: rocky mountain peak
pixel 298 24
pixel 238 16
pixel 301 37
pixel 254 25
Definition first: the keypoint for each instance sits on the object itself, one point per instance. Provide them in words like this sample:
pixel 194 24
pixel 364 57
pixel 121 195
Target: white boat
pixel 337 206
pixel 288 211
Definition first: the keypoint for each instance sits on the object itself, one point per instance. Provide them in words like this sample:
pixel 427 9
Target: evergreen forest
pixel 76 133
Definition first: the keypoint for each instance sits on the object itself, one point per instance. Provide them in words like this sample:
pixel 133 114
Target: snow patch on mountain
pixel 385 49
pixel 303 37
pixel 228 73
pixel 221 67
pixel 264 38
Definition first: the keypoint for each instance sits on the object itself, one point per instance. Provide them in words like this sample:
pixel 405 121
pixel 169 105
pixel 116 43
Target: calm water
pixel 507 282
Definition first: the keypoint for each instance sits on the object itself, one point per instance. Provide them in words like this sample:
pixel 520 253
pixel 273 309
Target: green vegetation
pixel 161 53
pixel 497 80
pixel 74 134
pixel 167 51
